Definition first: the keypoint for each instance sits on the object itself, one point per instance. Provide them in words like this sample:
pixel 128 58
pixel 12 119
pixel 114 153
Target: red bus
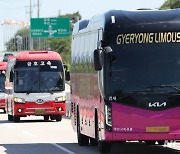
pixel 35 85
pixel 3 66
pixel 125 78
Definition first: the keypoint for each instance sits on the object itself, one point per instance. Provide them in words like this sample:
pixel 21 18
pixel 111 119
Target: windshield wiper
pixel 49 90
pixel 57 89
pixel 31 88
pixel 151 89
pixel 165 86
pixel 135 92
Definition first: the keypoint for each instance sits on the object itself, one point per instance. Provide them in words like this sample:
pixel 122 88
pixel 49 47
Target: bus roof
pixel 38 55
pixel 3 65
pixel 138 20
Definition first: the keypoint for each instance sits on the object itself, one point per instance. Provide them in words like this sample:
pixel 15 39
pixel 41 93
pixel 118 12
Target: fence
pixel 16 37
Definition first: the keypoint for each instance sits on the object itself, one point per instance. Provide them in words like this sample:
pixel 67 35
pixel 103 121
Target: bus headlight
pixel 60 99
pixel 19 100
pixel 108 114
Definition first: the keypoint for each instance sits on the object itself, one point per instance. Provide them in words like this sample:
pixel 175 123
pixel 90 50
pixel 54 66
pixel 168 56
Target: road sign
pixel 50 27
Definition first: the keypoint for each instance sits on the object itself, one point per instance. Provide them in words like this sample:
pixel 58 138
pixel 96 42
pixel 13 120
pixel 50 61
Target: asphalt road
pixel 34 136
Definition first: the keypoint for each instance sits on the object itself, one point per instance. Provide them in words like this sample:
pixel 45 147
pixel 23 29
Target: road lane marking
pixel 2 150
pixel 30 134
pixel 63 148
pixel 10 126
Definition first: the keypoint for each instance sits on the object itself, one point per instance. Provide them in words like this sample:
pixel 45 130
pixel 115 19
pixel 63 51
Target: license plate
pixel 39 111
pixel 160 129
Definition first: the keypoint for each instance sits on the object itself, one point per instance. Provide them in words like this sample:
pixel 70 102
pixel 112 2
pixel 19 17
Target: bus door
pixel 101 85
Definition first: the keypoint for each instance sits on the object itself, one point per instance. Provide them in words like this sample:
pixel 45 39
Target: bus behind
pixel 35 81
pixel 3 66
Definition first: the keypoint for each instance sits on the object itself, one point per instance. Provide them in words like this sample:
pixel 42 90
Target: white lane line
pixel 2 150
pixel 10 126
pixel 63 148
pixel 29 134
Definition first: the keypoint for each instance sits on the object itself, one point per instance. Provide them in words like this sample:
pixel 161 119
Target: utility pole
pixel 38 8
pixel 38 15
pixel 30 39
pixel 59 13
pixel 30 9
pixel 30 14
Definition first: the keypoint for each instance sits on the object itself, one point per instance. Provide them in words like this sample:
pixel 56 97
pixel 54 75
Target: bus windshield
pixel 39 78
pixel 136 66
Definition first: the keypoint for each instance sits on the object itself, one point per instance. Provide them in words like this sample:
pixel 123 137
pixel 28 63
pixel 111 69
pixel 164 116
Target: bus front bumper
pixel 40 110
pixel 115 136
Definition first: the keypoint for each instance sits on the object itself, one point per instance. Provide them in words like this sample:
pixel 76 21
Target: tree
pixel 170 4
pixel 63 47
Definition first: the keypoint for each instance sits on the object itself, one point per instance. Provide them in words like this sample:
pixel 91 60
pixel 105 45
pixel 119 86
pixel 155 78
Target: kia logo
pixel 40 101
pixel 157 104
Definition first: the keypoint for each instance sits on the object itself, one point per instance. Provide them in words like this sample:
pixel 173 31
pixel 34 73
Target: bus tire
pixel 83 140
pixel 46 118
pixel 58 117
pixel 4 110
pixel 104 146
pixel 150 142
pixel 161 142
pixel 16 119
pixel 52 117
pixel 10 117
pixel 93 141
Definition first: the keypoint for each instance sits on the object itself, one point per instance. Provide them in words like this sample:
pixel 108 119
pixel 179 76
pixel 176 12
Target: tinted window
pixel 39 76
pixel 136 66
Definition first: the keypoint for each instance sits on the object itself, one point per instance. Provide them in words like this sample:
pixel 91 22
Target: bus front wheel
pixel 58 117
pixel 93 142
pixel 83 140
pixel 16 119
pixel 10 117
pixel 104 146
pixel 161 142
pixel 46 117
pixel 150 142
pixel 52 117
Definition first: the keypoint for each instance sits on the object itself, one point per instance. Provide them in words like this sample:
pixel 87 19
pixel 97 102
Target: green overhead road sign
pixel 50 27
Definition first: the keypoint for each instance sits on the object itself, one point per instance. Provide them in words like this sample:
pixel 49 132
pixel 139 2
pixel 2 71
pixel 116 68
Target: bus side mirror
pixel 11 76
pixel 65 67
pixel 97 60
pixel 67 74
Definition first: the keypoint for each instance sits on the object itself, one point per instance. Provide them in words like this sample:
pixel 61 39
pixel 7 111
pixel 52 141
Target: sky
pixel 18 10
